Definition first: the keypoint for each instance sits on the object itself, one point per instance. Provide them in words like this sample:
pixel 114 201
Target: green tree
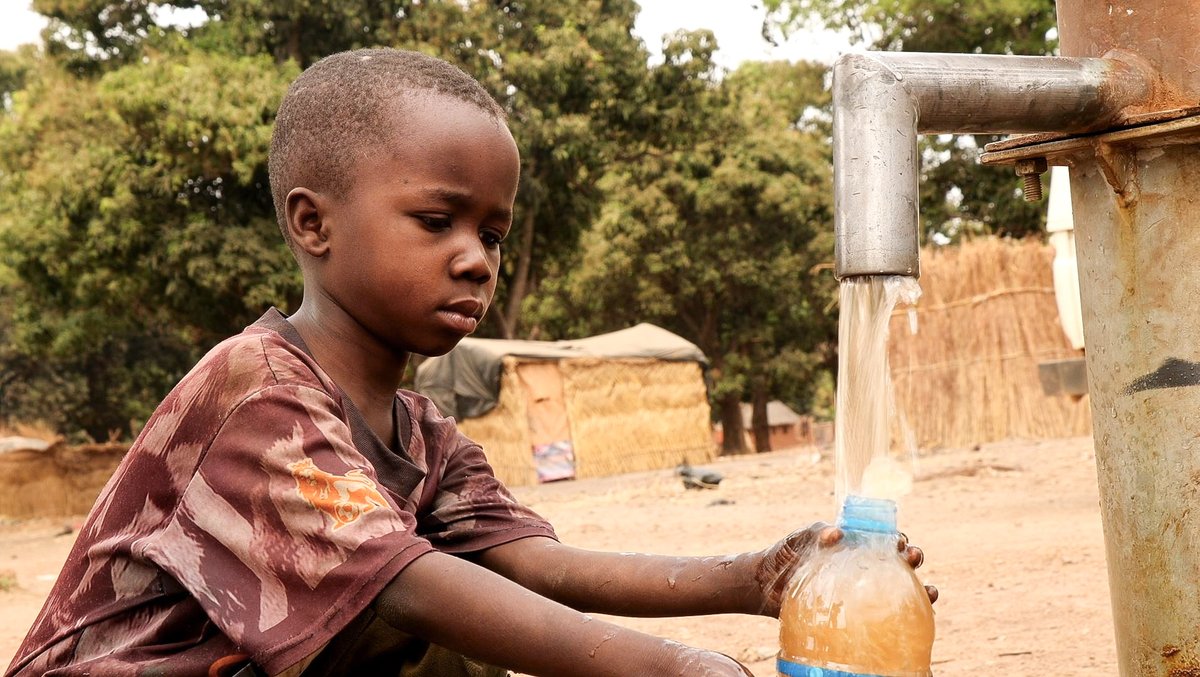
pixel 958 195
pixel 980 26
pixel 135 213
pixel 95 35
pixel 567 72
pixel 718 233
pixel 87 36
pixel 572 77
pixel 14 68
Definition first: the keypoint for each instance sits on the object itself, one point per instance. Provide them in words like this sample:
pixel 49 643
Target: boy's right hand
pixel 776 564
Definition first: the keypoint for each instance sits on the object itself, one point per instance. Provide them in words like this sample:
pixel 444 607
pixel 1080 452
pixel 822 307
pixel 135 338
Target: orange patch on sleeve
pixel 345 498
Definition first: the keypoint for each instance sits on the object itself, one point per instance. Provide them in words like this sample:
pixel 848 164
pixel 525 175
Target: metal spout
pixel 882 100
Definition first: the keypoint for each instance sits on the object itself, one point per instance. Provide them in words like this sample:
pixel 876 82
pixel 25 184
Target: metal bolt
pixel 1032 187
pixel 1031 173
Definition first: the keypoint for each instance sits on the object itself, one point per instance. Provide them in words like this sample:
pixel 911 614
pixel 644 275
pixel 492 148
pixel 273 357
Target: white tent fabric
pixel 1061 226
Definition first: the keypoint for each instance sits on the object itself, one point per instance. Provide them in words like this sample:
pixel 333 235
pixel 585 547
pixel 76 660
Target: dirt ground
pixel 1011 533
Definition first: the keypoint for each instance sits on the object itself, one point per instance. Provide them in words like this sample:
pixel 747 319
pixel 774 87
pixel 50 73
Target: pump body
pixel 1121 108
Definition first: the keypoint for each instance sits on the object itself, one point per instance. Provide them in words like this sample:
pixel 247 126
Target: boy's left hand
pixel 776 564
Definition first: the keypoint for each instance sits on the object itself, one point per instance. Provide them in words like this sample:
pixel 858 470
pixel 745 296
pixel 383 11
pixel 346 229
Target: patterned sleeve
pixel 471 510
pixel 284 533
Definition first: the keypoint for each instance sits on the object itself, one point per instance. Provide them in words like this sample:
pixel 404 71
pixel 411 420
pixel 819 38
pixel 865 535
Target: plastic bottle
pixel 856 609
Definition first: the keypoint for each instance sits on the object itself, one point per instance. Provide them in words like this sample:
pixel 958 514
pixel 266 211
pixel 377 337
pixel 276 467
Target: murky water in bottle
pixel 858 609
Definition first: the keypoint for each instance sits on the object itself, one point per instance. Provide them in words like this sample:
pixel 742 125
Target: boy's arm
pixel 651 585
pixel 466 608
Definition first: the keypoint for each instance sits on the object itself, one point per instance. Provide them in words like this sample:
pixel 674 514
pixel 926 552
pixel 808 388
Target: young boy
pixel 286 510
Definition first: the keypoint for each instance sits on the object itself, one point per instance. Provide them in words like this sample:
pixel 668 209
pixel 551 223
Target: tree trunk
pixel 520 282
pixel 293 44
pixel 731 423
pixel 758 418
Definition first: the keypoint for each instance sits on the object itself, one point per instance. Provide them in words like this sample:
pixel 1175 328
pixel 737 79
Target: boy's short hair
pixel 347 103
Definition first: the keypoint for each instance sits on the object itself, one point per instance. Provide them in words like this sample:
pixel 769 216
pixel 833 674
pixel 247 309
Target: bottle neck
pixel 868 515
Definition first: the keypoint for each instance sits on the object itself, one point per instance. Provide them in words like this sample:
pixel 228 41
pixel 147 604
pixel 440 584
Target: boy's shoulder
pixel 268 366
pixel 262 357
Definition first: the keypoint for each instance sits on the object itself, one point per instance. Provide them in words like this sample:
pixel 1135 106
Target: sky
pixel 736 23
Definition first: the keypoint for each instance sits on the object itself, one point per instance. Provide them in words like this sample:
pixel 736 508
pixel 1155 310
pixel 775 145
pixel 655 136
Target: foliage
pixel 136 214
pixel 572 78
pixel 137 226
pixel 89 35
pixel 14 68
pixel 961 198
pixel 958 195
pixel 568 73
pixel 719 234
pixel 980 26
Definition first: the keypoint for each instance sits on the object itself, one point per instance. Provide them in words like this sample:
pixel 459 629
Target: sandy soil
pixel 1011 533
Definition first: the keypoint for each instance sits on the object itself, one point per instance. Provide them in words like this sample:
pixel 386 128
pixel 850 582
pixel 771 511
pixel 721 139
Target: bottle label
pixel 790 669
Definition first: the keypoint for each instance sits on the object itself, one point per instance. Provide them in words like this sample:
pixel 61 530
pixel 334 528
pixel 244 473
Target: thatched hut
pixel 785 428
pixel 630 400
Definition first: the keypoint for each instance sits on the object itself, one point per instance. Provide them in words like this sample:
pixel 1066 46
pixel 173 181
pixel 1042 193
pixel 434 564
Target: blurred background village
pixel 658 186
pixel 667 293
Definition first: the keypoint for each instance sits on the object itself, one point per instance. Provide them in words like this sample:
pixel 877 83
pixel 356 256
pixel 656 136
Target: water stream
pixel 865 400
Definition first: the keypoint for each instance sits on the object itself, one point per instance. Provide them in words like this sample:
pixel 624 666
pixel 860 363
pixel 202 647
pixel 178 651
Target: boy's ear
pixel 305 211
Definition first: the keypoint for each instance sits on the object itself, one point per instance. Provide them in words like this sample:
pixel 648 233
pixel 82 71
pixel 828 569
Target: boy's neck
pixel 366 370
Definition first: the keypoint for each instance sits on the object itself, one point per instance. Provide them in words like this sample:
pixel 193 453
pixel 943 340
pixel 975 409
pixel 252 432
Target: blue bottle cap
pixel 861 513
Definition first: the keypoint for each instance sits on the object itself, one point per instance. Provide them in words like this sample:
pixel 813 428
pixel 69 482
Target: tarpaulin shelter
pixel 625 401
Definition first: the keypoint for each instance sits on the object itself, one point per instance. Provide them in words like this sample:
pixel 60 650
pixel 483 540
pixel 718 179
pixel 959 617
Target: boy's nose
pixel 472 261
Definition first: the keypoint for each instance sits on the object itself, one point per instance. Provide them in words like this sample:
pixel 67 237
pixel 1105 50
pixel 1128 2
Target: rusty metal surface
pixel 1023 140
pixel 1181 661
pixel 1139 283
pixel 1162 32
pixel 1061 151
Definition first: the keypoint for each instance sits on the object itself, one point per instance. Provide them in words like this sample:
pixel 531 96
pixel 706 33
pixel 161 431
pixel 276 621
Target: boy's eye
pixel 491 239
pixel 434 221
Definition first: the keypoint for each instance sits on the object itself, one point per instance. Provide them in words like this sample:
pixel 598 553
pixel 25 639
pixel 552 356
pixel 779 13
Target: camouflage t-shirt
pixel 256 515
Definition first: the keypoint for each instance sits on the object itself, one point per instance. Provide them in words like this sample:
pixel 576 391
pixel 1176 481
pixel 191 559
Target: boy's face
pixel 414 245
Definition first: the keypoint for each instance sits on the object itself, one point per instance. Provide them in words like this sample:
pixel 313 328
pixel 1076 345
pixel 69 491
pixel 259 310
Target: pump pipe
pixel 882 101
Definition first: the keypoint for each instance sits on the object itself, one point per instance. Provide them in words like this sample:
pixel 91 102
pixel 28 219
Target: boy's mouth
pixel 463 315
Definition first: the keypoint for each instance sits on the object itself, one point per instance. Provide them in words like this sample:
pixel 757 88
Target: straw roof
pixel 968 373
